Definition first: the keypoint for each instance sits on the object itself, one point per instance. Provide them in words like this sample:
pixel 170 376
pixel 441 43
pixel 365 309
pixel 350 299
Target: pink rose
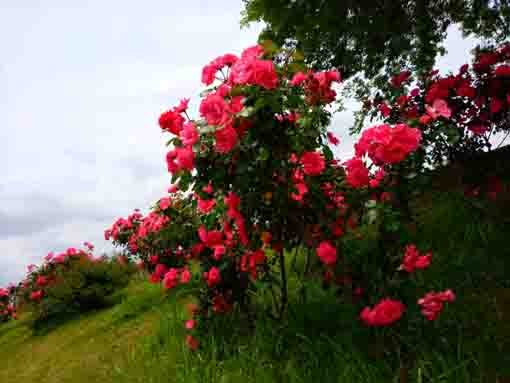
pixel 226 139
pixel 264 74
pixel 298 79
pixel 212 109
pixel 386 312
pixel 170 279
pixel 313 163
pixel 327 253
pixel 189 134
pixel 171 121
pixel 357 173
pixel 213 277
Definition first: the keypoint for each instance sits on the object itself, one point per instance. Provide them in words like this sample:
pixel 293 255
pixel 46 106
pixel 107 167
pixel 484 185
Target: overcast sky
pixel 81 88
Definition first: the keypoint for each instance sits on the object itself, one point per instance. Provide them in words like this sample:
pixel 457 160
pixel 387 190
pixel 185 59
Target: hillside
pixel 141 338
pixel 90 348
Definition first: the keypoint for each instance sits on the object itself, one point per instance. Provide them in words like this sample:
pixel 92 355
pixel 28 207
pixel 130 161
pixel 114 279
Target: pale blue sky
pixel 81 88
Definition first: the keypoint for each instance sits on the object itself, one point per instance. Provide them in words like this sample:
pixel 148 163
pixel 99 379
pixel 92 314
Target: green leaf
pixel 328 154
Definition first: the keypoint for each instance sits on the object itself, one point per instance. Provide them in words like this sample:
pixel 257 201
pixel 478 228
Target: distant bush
pixel 74 282
pixel 7 310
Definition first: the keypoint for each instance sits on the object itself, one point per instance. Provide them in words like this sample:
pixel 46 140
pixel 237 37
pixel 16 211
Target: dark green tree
pixel 374 37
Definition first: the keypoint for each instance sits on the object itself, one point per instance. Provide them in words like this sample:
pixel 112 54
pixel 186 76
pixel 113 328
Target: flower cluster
pixel 386 145
pixel 456 113
pixel 432 303
pixel 383 313
pixel 414 260
pixel 254 178
pixel 317 86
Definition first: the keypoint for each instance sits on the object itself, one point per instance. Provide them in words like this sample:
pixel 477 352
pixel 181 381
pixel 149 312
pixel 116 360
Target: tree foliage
pixel 365 36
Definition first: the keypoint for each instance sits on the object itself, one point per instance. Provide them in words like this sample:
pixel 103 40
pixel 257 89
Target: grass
pixel 81 349
pixel 141 338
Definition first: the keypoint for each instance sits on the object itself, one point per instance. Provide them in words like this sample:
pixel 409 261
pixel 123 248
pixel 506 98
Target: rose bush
pixel 255 180
pixel 458 114
pixel 73 281
pixel 7 306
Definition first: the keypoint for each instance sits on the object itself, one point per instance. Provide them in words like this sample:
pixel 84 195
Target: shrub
pixel 74 282
pixel 261 182
pixel 7 309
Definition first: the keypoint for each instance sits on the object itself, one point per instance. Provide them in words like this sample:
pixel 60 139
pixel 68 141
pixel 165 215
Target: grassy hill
pixel 89 348
pixel 140 339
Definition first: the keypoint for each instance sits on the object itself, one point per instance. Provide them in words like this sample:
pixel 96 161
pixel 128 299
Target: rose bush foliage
pixel 73 281
pixel 254 179
pixel 457 113
pixel 7 303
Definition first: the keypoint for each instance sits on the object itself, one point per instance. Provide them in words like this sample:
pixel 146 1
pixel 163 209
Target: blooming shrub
pixel 7 308
pixel 457 113
pixel 254 179
pixel 73 281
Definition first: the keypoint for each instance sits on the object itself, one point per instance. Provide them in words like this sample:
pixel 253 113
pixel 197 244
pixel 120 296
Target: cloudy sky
pixel 81 88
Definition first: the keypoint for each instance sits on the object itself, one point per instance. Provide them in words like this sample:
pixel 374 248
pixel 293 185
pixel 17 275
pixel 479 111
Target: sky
pixel 81 89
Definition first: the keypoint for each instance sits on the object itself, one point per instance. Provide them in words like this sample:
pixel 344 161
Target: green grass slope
pixel 140 340
pixel 83 349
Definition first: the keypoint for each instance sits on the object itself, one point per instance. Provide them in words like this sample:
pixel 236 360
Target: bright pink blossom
pixel 189 134
pixel 171 121
pixel 165 203
pixel 219 251
pixel 333 139
pixel 205 206
pixel 36 295
pixel 226 139
pixel 253 52
pixel 170 279
pixel 432 303
pixel 414 260
pixel 313 163
pixel 298 79
pixel 180 158
pixel 386 312
pixel 208 189
pixel 327 253
pixel 190 324
pixel 185 276
pixel 185 157
pixel 438 109
pixel 384 144
pixel 172 189
pixel 302 190
pixel 425 119
pixel 213 276
pixel 357 173
pixel 264 74
pixel 183 105
pixel 212 108
pixel 41 281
